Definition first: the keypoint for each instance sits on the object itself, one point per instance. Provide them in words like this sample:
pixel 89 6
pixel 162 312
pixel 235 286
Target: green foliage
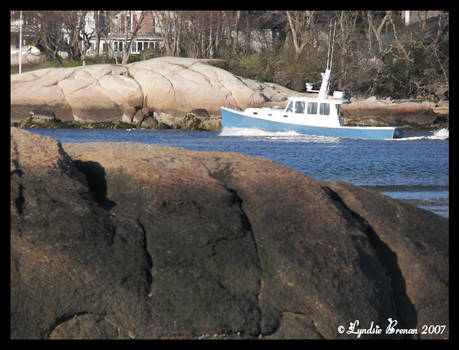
pixel 281 66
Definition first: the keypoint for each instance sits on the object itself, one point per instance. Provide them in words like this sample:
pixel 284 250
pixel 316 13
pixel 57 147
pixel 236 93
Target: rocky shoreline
pixel 176 93
pixel 150 242
pixel 198 120
pixel 410 115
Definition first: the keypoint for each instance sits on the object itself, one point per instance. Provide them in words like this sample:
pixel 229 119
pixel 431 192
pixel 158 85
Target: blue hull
pixel 233 119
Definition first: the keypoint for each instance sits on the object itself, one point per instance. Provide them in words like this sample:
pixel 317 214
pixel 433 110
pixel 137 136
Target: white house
pixel 120 27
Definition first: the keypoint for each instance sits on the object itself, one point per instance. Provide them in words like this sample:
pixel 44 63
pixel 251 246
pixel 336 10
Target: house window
pixel 122 23
pixel 312 107
pixel 139 46
pixel 115 46
pixel 299 107
pixel 134 22
pixel 128 22
pixel 324 109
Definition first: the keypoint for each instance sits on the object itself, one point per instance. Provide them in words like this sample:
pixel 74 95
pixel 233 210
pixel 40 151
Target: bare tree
pixel 376 54
pixel 194 31
pixel 376 29
pixel 202 33
pixel 44 29
pixel 421 48
pixel 347 50
pixel 97 31
pixel 131 33
pixel 71 28
pixel 105 30
pixel 301 24
pixel 171 28
pixel 85 33
pixel 237 18
pixel 442 35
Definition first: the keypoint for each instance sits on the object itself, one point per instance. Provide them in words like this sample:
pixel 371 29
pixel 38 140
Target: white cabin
pixel 316 111
pixel 303 111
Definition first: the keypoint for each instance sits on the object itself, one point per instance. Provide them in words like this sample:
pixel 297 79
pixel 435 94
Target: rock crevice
pixel 247 227
pixel 406 312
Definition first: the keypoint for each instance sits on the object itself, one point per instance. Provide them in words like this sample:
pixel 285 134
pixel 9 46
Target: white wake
pixel 275 135
pixel 441 134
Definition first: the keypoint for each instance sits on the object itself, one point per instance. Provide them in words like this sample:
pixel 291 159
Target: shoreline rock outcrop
pixel 161 92
pixel 410 115
pixel 127 240
pixel 144 93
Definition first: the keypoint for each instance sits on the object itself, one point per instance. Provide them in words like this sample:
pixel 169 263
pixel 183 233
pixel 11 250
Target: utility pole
pixel 20 42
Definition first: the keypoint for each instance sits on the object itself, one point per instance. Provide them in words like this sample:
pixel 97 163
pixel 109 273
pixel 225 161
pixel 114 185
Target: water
pixel 414 169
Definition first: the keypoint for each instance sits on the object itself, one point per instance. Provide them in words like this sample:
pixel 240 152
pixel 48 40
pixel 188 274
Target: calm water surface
pixel 414 169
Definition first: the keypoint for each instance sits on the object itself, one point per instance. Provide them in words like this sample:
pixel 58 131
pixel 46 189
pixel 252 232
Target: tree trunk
pixel 236 29
pixel 129 40
pixel 96 33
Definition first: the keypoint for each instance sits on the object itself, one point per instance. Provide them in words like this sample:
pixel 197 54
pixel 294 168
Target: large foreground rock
pixel 121 240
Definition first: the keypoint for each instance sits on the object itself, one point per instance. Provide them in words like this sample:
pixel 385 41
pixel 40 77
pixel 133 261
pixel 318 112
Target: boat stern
pixel 398 132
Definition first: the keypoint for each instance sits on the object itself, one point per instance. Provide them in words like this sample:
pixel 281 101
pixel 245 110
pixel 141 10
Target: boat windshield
pixel 290 107
pixel 312 107
pixel 299 107
pixel 324 109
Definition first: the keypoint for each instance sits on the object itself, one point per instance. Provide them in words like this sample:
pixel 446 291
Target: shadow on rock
pixel 95 176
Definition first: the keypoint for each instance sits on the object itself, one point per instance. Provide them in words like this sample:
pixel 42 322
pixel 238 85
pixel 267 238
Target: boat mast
pixel 323 92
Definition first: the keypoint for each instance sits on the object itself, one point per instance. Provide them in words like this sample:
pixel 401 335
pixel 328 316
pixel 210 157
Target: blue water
pixel 414 169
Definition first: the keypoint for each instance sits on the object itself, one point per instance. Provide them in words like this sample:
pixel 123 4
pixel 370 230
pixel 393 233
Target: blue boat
pixel 319 115
pixel 270 121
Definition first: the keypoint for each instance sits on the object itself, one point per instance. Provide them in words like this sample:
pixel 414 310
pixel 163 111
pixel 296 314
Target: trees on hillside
pixel 374 53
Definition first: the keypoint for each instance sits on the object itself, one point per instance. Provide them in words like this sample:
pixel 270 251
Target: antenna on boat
pixel 331 44
pixel 323 92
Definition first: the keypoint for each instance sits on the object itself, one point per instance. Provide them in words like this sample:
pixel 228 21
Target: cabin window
pixel 290 107
pixel 312 107
pixel 299 107
pixel 324 109
pixel 338 109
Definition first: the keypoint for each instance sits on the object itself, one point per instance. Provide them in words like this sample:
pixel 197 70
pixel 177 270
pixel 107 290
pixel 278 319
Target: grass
pixel 55 64
pixel 146 54
pixel 47 64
